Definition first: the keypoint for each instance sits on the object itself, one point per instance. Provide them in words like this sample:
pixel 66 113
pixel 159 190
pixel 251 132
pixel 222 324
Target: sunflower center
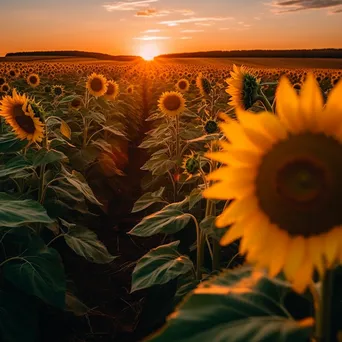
pixel 172 102
pixel 96 84
pixel 182 85
pixel 111 89
pixel 33 79
pixel 299 186
pixel 58 91
pixel 24 122
pixel 211 126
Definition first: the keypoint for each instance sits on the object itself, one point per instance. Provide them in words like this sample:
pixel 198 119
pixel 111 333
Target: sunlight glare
pixel 149 51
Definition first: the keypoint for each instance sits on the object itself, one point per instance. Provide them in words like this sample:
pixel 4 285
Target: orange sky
pixel 130 27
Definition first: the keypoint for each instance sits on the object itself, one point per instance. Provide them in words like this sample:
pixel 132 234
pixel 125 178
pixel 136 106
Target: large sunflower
pixel 33 80
pixel 97 85
pixel 112 91
pixel 284 176
pixel 172 103
pixel 19 114
pixel 242 87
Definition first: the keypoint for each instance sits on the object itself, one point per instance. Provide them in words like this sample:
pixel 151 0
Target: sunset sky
pixel 128 27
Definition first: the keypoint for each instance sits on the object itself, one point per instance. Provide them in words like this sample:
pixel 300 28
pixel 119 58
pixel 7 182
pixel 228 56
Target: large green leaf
pixel 148 199
pixel 9 143
pixel 15 212
pixel 44 156
pixel 85 243
pixel 167 220
pixel 236 306
pixel 14 166
pixel 194 197
pixel 38 271
pixel 18 317
pixel 159 266
pixel 78 181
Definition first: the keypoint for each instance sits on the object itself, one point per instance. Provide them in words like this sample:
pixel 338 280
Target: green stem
pixel 323 314
pixel 262 98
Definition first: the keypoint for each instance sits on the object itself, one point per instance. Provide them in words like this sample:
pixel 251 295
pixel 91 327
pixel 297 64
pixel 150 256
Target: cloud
pixel 151 31
pixel 257 18
pixel 128 5
pixel 186 38
pixel 286 6
pixel 191 31
pixel 185 12
pixel 195 20
pixel 224 28
pixel 152 12
pixel 146 38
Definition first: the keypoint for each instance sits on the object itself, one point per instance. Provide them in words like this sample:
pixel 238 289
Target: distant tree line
pixel 315 53
pixel 83 54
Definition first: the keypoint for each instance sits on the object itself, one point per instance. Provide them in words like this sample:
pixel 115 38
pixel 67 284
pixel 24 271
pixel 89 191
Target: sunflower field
pixel 149 201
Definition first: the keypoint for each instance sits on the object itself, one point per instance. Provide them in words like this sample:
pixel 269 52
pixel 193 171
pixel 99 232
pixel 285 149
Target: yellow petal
pixel 315 244
pixel 310 103
pixel 236 135
pixel 228 173
pixel 229 190
pixel 288 105
pixel 277 257
pixel 295 256
pixel 303 276
pixel 235 232
pixel 332 245
pixel 237 209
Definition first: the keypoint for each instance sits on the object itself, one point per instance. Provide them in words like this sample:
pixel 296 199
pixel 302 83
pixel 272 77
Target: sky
pixel 168 26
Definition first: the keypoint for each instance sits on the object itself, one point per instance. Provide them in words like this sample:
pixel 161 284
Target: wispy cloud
pixel 151 38
pixel 151 31
pixel 128 5
pixel 152 12
pixel 191 31
pixel 286 6
pixel 185 12
pixel 196 20
pixel 186 38
pixel 257 18
pixel 224 28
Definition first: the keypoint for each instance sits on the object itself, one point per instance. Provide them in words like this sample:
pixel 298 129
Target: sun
pixel 148 52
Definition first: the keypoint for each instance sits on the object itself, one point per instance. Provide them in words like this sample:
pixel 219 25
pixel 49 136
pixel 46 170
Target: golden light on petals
pixel 283 174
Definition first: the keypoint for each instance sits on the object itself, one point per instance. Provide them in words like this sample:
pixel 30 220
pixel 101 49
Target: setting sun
pixel 149 51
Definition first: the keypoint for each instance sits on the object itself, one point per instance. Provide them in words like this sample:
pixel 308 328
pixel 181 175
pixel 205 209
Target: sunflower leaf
pixel 159 266
pixel 14 213
pixel 10 143
pixel 148 199
pixel 85 243
pixel 238 306
pixel 168 221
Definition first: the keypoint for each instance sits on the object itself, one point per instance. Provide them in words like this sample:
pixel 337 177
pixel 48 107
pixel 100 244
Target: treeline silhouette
pixel 315 53
pixel 83 54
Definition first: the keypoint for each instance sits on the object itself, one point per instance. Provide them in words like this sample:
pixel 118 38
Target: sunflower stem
pixel 264 100
pixel 323 314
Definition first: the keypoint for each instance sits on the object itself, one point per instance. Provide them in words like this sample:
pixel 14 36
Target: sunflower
pixel 112 91
pixel 284 176
pixel 242 87
pixel 96 85
pixel 5 88
pixel 203 85
pixel 13 73
pixel 183 85
pixel 171 103
pixel 2 81
pixel 191 165
pixel 210 126
pixel 130 89
pixel 33 80
pixel 76 103
pixel 57 90
pixel 19 112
